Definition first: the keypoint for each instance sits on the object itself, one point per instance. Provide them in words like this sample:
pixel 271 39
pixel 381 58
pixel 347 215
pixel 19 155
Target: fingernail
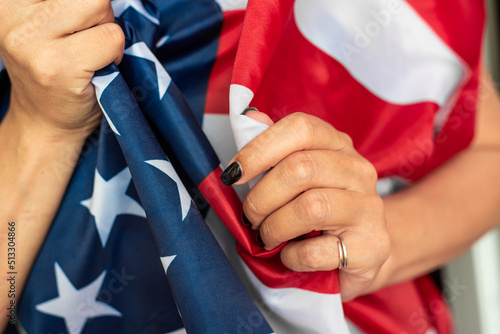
pixel 231 174
pixel 248 109
pixel 245 220
pixel 258 238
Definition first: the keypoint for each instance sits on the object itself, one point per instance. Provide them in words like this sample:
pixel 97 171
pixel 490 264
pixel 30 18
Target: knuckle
pixel 79 91
pixel 303 125
pixel 99 5
pixel 344 137
pixel 377 205
pixel 252 205
pixel 12 43
pixel 365 170
pixel 314 206
pixel 270 233
pixel 370 172
pixel 299 169
pixel 115 35
pixel 43 69
pixel 380 244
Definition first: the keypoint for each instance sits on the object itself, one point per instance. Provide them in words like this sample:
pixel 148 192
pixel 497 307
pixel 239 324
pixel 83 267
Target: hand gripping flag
pixel 129 251
pixel 99 259
pixel 101 262
pixel 395 76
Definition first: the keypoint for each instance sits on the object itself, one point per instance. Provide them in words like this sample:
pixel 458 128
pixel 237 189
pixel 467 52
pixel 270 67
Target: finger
pixel 97 47
pixel 319 210
pixel 259 117
pixel 364 252
pixel 67 16
pixel 321 253
pixel 293 133
pixel 304 170
pixel 315 254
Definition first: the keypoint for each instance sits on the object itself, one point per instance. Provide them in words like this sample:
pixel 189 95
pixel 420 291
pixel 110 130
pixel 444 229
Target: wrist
pixel 33 149
pixel 64 120
pixel 28 128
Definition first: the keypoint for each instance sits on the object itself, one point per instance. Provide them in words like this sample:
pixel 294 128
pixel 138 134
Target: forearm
pixel 442 215
pixel 37 164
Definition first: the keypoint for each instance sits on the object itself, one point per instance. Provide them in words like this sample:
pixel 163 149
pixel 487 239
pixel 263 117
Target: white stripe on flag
pixel 352 328
pixel 385 45
pixel 232 4
pixel 244 128
pixel 288 310
pixel 297 311
pixel 218 132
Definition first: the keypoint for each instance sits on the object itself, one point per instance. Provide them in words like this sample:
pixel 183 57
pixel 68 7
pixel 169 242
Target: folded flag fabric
pixel 396 76
pixel 127 214
pixel 129 250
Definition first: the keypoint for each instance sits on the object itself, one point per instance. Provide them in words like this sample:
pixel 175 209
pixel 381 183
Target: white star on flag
pixel 167 261
pixel 101 83
pixel 120 6
pixel 141 50
pixel 109 199
pixel 74 305
pixel 167 168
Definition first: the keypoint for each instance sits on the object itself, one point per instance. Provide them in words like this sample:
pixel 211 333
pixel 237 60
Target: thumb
pixel 258 116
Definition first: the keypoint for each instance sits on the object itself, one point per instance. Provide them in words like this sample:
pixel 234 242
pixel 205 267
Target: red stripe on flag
pixel 217 101
pixel 318 85
pixel 459 23
pixel 401 308
pixel 262 28
pixel 266 265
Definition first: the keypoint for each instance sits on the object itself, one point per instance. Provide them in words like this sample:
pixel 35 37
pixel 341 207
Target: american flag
pixel 129 250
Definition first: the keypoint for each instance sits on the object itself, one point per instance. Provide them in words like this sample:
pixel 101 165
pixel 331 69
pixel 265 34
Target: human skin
pixel 429 223
pixel 54 109
pixel 51 50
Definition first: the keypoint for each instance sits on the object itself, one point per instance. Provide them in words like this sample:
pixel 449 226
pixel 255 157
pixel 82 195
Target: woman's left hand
pixel 316 181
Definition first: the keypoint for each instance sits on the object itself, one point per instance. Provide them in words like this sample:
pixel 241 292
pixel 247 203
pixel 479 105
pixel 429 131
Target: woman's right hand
pixel 51 50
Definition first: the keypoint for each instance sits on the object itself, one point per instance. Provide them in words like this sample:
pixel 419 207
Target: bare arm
pixel 51 50
pixel 441 216
pixel 35 171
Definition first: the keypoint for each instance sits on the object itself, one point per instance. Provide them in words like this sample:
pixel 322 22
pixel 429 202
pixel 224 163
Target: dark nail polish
pixel 258 238
pixel 231 174
pixel 248 109
pixel 245 220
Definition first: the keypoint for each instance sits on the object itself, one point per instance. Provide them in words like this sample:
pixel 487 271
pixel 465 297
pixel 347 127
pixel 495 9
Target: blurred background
pixel 472 282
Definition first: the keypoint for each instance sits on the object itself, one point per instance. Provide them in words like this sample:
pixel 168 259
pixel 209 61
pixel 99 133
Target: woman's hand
pixel 316 182
pixel 51 50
